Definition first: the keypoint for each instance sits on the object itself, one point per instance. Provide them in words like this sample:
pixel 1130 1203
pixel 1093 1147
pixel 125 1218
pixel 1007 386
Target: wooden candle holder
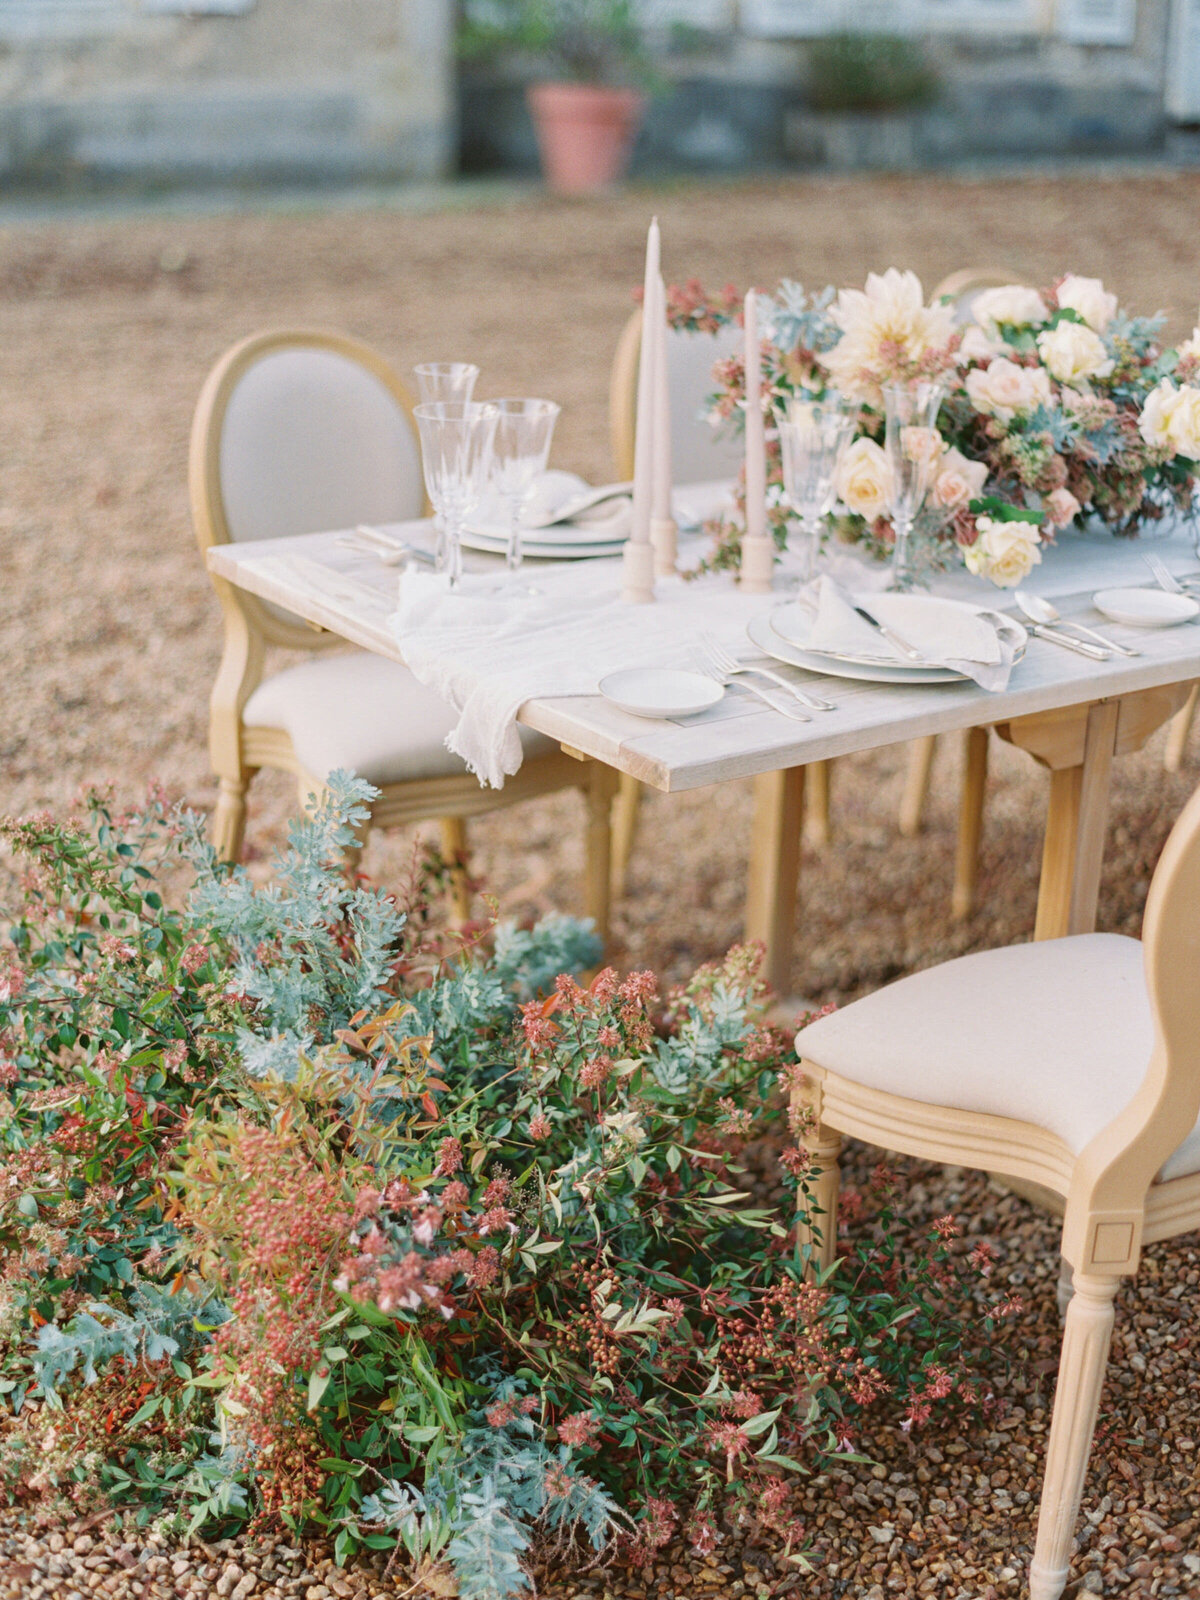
pixel 665 544
pixel 638 586
pixel 758 564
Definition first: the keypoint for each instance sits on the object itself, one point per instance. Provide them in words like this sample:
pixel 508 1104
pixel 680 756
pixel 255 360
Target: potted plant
pixel 591 66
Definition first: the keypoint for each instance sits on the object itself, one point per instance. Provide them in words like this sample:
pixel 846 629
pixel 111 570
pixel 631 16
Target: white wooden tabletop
pixel 353 594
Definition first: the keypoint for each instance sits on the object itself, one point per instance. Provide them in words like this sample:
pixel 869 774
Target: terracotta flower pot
pixel 585 133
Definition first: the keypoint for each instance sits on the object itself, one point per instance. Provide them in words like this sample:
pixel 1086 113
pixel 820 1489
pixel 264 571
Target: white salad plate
pixel 661 692
pixel 784 632
pixel 600 532
pixel 1146 608
pixel 541 549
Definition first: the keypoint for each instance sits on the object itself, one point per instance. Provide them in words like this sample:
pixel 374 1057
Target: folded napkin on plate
pixel 696 503
pixel 953 637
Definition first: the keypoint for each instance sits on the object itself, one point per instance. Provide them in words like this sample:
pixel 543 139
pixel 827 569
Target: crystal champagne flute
pixel 812 437
pixel 912 445
pixel 524 430
pixel 445 380
pixel 456 454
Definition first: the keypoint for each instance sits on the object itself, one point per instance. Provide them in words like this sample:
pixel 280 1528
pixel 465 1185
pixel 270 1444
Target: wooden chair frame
pixel 1111 1204
pixel 238 752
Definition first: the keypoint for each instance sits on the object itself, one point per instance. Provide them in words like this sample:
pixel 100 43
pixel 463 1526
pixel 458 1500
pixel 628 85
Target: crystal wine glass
pixel 445 380
pixel 456 454
pixel 913 446
pixel 812 437
pixel 524 430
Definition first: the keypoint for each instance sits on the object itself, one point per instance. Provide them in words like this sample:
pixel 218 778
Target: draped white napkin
pixel 486 653
pixel 954 637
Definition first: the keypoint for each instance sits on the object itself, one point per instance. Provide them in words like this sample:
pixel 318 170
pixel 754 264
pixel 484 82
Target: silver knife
pixel 896 641
pixel 1093 652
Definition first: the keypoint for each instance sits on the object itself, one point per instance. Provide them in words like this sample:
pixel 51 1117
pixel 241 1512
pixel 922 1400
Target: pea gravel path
pixel 109 640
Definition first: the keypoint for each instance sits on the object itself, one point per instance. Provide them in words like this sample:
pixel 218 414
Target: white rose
pixel 1005 390
pixel 1073 352
pixel 1191 347
pixel 976 345
pixel 1171 417
pixel 958 482
pixel 1062 507
pixel 1004 552
pixel 864 479
pixel 1090 298
pixel 1015 304
pixel 922 445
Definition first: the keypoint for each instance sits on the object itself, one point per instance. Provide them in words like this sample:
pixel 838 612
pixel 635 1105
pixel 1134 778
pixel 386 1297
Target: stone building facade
pixel 226 91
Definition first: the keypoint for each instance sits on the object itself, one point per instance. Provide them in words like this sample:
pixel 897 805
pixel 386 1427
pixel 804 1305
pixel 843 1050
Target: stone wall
pixel 149 91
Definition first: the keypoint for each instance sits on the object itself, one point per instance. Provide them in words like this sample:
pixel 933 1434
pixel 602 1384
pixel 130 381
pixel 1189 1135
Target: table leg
pixel 970 823
pixel 1075 829
pixel 775 870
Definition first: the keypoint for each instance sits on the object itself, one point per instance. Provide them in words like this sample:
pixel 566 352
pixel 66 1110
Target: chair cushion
pixel 366 714
pixel 1057 1034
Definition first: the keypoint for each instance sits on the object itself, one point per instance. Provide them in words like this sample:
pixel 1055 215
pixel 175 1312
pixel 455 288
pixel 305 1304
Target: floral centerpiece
pixel 1057 404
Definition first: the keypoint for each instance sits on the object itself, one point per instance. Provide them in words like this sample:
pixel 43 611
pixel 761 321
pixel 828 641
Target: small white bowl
pixel 661 692
pixel 1146 608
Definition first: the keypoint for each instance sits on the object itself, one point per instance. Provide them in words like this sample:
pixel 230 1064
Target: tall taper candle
pixel 639 556
pixel 663 532
pixel 758 551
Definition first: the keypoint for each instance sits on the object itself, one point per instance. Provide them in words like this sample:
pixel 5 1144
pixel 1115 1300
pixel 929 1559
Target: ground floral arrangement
pixel 316 1219
pixel 1057 405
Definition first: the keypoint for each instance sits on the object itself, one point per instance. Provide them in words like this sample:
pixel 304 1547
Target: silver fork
pixel 711 669
pixel 1163 575
pixel 725 661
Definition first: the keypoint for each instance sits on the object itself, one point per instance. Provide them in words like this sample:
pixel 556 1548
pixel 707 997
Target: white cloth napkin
pixel 959 639
pixel 487 652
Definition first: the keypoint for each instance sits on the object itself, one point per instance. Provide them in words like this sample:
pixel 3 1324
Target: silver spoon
pixel 1041 611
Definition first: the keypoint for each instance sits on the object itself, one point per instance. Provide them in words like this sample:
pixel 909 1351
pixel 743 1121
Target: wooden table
pixel 1071 715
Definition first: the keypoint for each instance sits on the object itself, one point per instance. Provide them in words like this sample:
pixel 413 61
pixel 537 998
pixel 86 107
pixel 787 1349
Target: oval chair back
pixel 698 453
pixel 297 431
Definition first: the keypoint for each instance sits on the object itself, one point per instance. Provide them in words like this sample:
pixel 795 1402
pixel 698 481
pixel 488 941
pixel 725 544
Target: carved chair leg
pixel 626 809
pixel 1181 727
pixel 1066 1285
pixel 454 852
pixel 1086 1340
pixel 916 784
pixel 599 790
pixel 970 823
pixel 818 828
pixel 229 817
pixel 816 1223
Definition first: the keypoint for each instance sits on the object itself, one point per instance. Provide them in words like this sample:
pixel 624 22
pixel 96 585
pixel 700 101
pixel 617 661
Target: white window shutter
pixel 1183 62
pixel 1097 21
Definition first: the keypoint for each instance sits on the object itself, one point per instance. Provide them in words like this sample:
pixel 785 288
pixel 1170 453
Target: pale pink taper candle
pixel 758 552
pixel 663 532
pixel 638 584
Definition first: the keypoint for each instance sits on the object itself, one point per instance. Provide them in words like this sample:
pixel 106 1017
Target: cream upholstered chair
pixel 1073 1064
pixel 298 431
pixel 698 455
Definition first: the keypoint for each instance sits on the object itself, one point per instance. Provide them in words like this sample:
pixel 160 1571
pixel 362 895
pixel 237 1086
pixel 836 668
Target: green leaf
pixel 318 1382
pixel 759 1424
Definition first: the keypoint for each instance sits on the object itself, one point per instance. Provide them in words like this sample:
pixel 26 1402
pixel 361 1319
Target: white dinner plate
pixel 909 614
pixel 1146 608
pixel 761 634
pixel 661 691
pixel 543 550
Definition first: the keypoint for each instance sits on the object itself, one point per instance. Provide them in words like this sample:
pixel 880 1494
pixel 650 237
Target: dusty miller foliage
pixel 314 949
pixel 155 1325
pixel 481 1504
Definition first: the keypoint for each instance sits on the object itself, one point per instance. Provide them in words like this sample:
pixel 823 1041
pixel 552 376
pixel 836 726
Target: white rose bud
pixel 1171 418
pixel 1073 353
pixel 1014 303
pixel 1090 298
pixel 1004 552
pixel 959 481
pixel 1062 507
pixel 864 479
pixel 1005 390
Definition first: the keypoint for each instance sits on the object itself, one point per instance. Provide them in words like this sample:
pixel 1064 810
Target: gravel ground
pixel 109 640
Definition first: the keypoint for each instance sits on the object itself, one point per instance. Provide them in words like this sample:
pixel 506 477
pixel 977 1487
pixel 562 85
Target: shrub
pixel 317 1223
pixel 868 72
